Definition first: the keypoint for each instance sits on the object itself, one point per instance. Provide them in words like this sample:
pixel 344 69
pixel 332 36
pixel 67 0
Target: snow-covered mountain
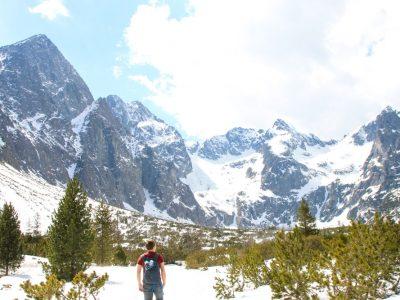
pixel 253 177
pixel 51 127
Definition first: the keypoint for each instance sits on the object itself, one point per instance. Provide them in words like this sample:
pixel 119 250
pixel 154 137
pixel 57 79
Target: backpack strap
pixel 156 256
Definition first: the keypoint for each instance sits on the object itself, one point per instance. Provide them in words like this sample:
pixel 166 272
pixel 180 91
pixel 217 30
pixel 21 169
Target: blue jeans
pixel 151 290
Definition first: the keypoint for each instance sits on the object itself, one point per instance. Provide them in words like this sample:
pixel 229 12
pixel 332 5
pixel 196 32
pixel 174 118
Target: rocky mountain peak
pixel 280 124
pixel 34 71
pixel 40 40
pixel 388 119
pixel 51 126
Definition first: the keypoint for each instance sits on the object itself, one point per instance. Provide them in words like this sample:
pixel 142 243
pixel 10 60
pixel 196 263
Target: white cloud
pixel 325 66
pixel 117 71
pixel 50 9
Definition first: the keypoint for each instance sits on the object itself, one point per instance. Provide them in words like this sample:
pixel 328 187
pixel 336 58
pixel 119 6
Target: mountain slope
pixel 51 127
pixel 262 183
pixel 40 92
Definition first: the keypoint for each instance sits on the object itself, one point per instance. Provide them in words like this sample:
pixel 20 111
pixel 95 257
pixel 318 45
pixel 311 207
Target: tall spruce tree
pixel 70 234
pixel 103 230
pixel 10 239
pixel 305 220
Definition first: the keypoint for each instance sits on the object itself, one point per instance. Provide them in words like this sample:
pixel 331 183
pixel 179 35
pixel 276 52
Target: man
pixel 153 280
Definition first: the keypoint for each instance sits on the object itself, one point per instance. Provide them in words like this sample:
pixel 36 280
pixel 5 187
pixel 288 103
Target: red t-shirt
pixel 150 254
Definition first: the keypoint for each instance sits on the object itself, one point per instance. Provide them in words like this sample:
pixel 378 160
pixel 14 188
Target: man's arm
pixel 139 269
pixel 163 274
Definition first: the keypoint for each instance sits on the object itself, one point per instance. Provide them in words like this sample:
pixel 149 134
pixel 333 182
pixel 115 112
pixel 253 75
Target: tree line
pixel 73 241
pixel 360 261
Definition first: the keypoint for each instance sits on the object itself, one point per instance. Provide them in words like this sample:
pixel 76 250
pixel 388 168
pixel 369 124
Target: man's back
pixel 151 261
pixel 154 276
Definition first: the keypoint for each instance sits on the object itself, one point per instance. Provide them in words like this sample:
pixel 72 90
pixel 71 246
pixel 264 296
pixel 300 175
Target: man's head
pixel 151 245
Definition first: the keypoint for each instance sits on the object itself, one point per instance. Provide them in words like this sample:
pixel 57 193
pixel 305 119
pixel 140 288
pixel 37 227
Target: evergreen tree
pixel 70 234
pixel 120 257
pixel 293 269
pixel 103 230
pixel 305 220
pixel 83 286
pixel 10 239
pixel 363 263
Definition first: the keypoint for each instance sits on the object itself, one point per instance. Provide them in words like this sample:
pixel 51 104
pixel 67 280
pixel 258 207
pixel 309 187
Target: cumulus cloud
pixel 324 66
pixel 50 9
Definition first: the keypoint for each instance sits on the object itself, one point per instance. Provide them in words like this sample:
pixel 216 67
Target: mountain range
pixel 52 128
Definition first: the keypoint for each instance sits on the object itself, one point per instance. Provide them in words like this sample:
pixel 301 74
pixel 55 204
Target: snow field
pixel 182 284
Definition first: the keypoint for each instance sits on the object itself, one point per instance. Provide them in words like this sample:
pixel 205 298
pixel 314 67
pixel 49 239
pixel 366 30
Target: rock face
pixel 379 184
pixel 273 169
pixel 51 125
pixel 40 92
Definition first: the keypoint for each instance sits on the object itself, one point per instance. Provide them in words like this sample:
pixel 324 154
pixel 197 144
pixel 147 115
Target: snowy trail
pixel 182 284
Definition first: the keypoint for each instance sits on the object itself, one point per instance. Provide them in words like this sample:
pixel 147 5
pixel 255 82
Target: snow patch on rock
pixel 79 124
pixel 219 183
pixel 3 57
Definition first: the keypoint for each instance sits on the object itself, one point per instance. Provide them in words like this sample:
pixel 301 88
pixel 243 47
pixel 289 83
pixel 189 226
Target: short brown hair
pixel 150 244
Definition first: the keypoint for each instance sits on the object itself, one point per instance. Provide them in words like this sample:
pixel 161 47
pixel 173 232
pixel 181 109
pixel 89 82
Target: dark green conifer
pixel 103 229
pixel 120 257
pixel 70 234
pixel 10 239
pixel 293 270
pixel 364 263
pixel 305 220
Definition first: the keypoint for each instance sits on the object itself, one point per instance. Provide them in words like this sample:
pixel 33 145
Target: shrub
pixel 293 269
pixel 207 258
pixel 120 258
pixel 365 262
pixel 83 286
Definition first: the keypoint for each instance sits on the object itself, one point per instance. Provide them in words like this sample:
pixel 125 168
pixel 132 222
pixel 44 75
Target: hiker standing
pixel 154 276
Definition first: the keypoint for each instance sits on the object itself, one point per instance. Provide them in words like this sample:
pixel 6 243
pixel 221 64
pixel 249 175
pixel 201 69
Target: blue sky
pixel 91 38
pixel 206 66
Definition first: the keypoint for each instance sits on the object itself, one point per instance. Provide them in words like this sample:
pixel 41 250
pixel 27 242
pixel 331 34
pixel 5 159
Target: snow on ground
pixel 342 161
pixel 150 208
pixel 340 220
pixel 220 183
pixel 182 284
pixel 217 183
pixel 31 195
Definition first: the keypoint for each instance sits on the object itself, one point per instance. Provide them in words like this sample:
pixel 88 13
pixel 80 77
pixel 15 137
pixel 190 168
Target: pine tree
pixel 120 257
pixel 305 220
pixel 10 239
pixel 363 263
pixel 293 269
pixel 103 230
pixel 83 286
pixel 70 234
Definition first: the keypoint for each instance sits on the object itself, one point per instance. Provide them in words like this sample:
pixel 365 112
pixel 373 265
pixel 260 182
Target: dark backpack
pixel 151 263
pixel 151 270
